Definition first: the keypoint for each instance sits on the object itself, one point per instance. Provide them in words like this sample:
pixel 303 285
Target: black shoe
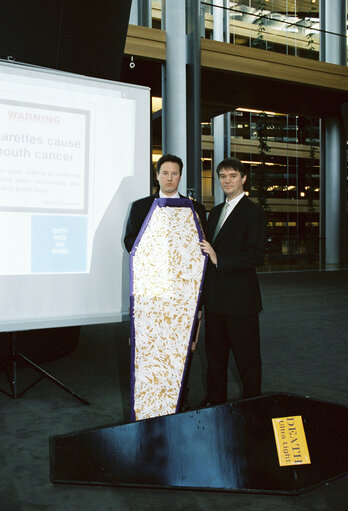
pixel 205 404
pixel 185 407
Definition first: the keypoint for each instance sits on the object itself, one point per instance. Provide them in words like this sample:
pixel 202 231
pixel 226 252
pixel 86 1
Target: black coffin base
pixel 230 447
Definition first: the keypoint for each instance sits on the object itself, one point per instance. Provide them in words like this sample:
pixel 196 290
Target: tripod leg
pixel 13 382
pixel 50 377
pixel 13 356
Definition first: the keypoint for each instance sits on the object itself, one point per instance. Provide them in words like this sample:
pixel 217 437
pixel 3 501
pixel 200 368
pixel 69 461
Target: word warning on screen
pixel 43 157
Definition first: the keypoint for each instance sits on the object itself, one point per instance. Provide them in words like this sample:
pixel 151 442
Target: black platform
pixel 230 447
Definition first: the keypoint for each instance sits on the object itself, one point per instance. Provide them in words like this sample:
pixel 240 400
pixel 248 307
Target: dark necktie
pixel 221 220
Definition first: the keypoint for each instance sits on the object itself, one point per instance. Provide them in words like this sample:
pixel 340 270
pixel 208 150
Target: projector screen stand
pixel 9 365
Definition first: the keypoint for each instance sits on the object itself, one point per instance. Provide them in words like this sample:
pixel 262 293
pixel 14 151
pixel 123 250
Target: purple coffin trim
pixel 132 355
pixel 160 202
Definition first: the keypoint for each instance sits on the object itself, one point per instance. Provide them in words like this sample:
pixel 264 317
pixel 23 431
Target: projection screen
pixel 74 153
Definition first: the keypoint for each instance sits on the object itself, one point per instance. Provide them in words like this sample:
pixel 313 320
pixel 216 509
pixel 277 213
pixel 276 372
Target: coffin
pixel 166 272
pixel 230 447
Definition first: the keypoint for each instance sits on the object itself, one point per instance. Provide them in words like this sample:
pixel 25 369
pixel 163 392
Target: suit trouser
pixel 241 334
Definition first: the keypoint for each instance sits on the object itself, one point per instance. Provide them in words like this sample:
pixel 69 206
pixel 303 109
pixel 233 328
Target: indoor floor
pixel 304 331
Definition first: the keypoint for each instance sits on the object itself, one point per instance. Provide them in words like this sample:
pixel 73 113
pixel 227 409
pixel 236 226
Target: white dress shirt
pixel 231 205
pixel 164 196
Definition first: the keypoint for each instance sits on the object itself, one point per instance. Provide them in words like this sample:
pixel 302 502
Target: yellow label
pixel 291 441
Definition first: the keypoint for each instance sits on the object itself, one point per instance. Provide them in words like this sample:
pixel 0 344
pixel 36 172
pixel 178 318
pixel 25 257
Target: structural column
pixel 141 13
pixel 194 134
pixel 174 82
pixel 333 181
pixel 221 123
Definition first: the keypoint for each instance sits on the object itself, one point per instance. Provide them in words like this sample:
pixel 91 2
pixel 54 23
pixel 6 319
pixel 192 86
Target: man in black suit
pixel 236 239
pixel 169 171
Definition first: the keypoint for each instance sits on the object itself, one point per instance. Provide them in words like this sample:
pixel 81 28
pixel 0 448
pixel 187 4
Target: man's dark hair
pixel 169 157
pixel 231 163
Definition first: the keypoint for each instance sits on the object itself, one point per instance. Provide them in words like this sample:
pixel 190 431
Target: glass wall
pixel 281 154
pixel 283 26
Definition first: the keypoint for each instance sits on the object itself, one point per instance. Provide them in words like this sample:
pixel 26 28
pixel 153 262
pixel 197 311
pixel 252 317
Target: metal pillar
pixel 335 193
pixel 194 135
pixel 133 16
pixel 174 83
pixel 219 154
pixel 333 189
pixel 141 13
pixel 221 123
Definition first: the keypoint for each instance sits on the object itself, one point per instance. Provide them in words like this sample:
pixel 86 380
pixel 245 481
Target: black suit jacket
pixel 232 287
pixel 139 211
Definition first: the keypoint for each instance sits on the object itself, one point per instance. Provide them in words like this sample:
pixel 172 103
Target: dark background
pixel 79 36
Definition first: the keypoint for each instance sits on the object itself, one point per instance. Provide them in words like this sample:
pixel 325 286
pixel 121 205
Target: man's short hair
pixel 169 157
pixel 231 163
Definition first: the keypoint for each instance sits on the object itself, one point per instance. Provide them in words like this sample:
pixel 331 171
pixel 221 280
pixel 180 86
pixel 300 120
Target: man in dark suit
pixel 169 171
pixel 236 238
